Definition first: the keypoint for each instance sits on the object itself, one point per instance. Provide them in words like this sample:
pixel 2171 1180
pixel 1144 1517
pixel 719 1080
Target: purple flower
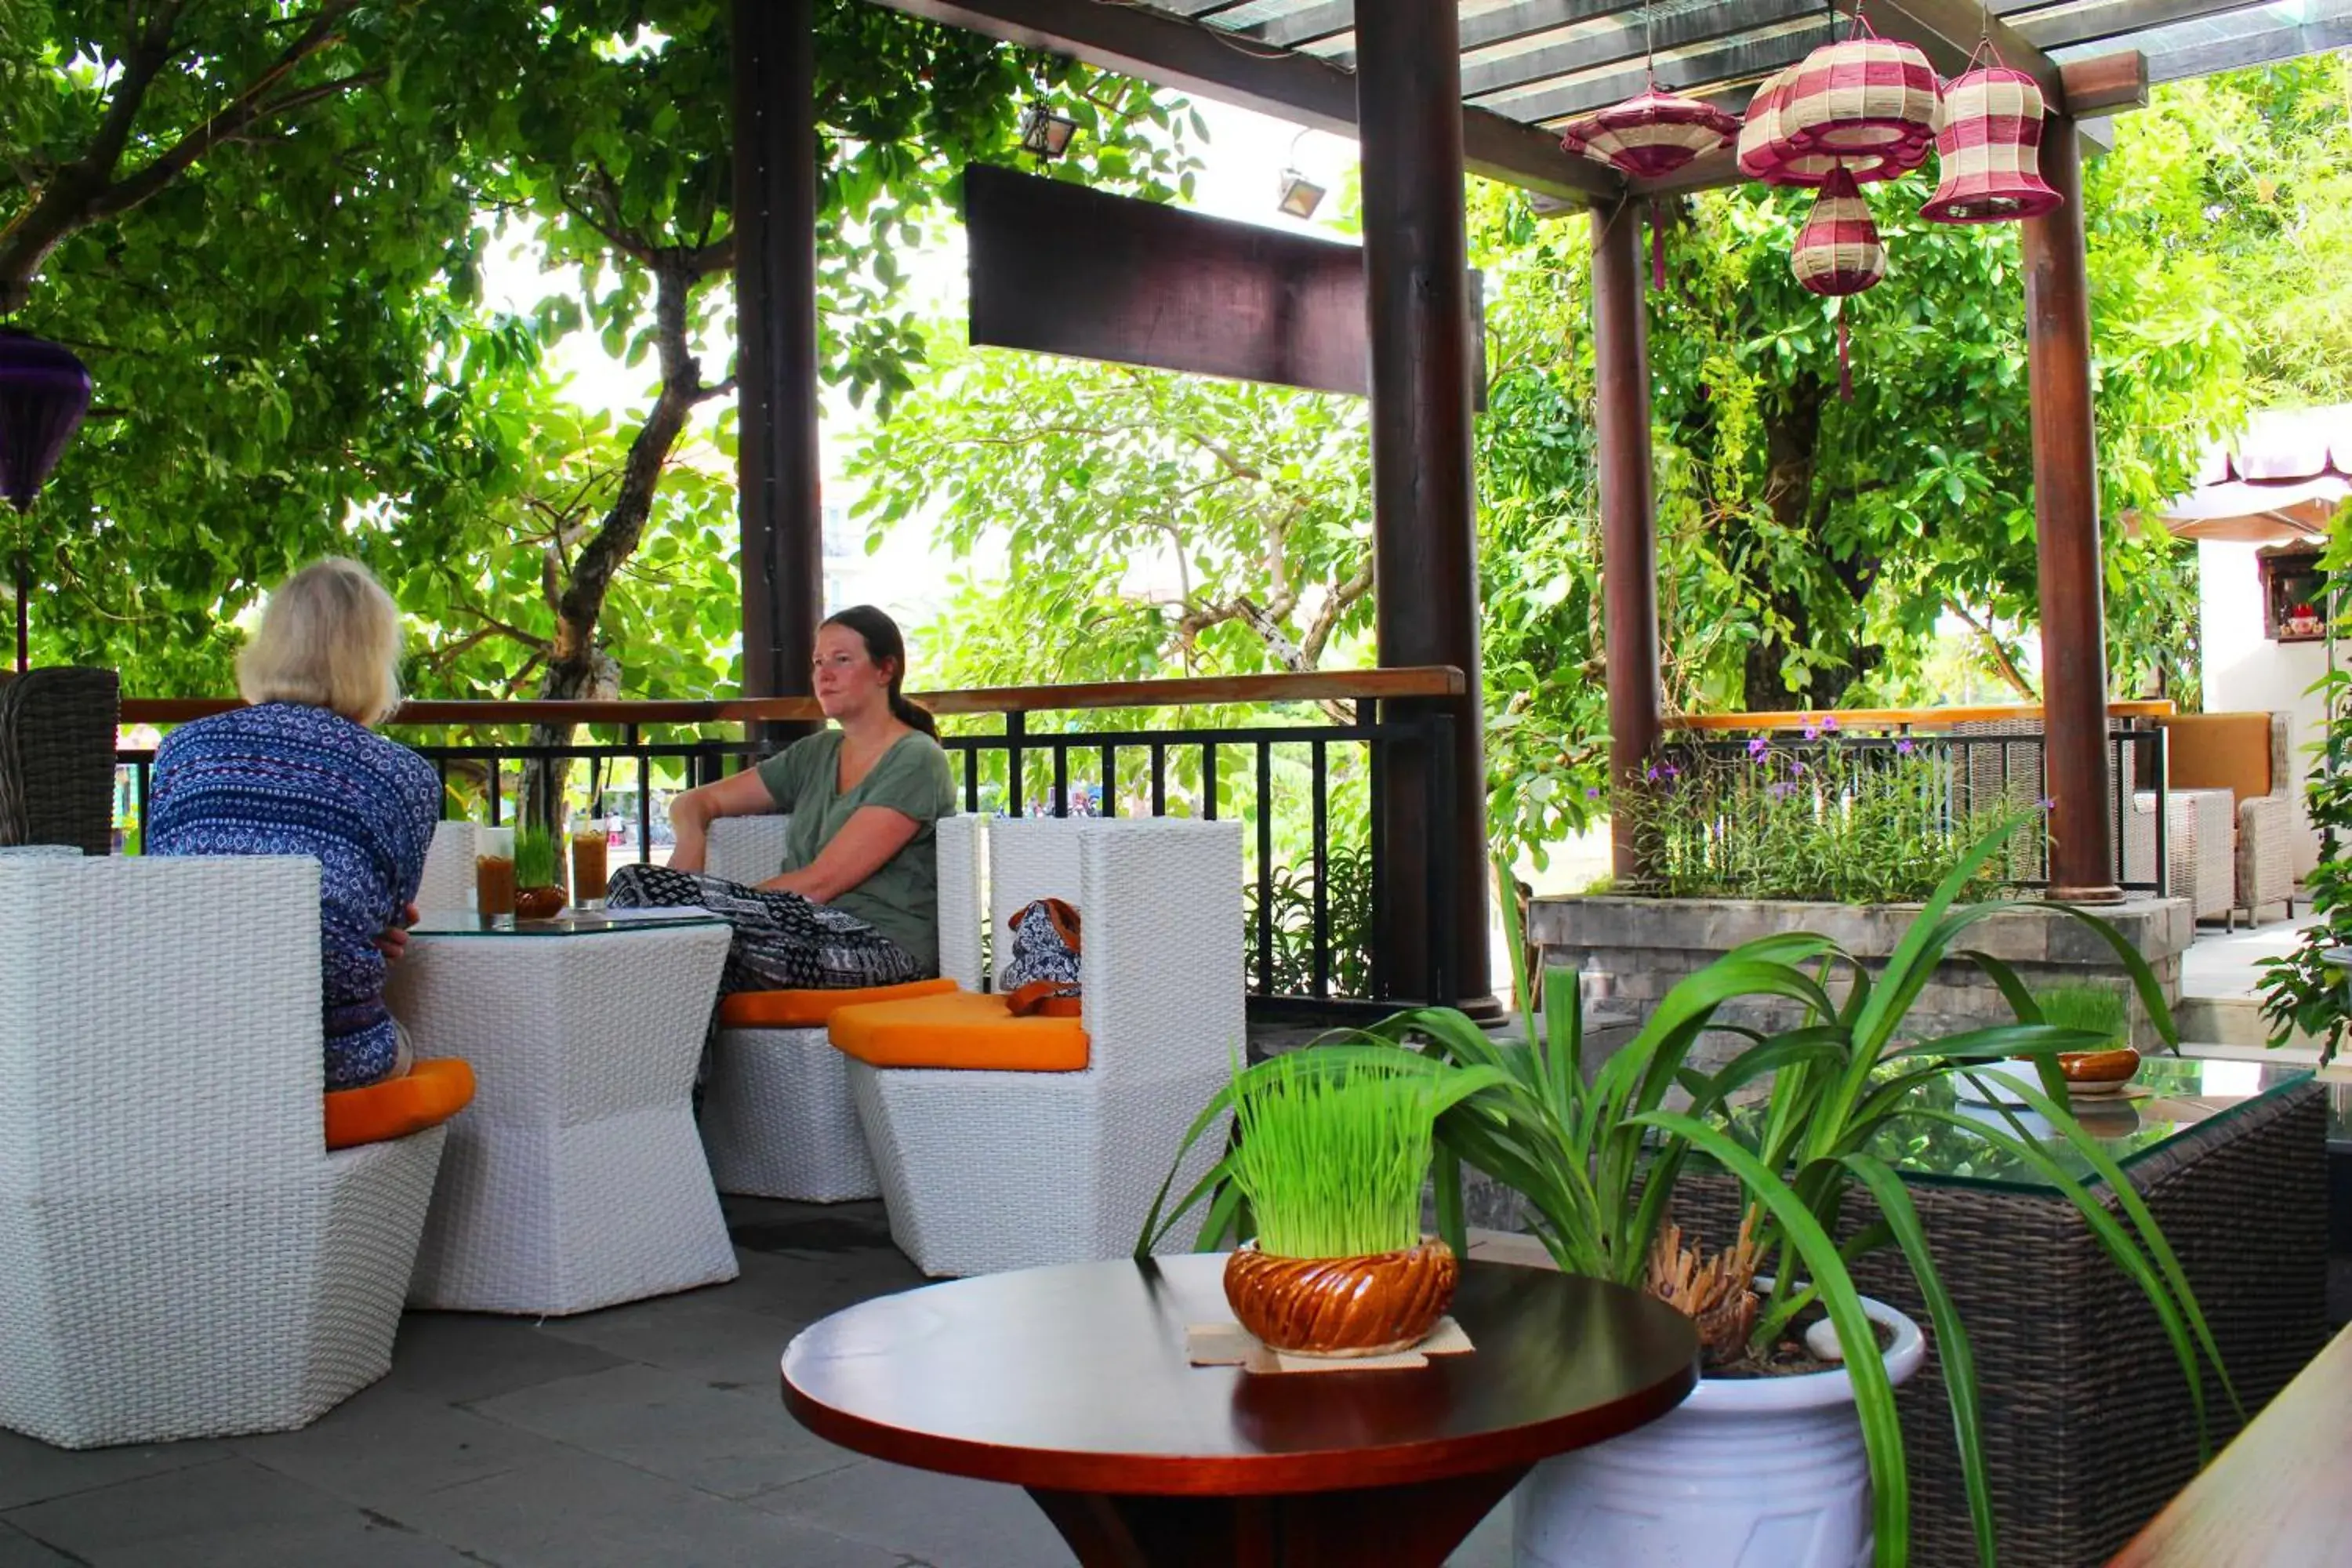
pixel 1780 791
pixel 1756 749
pixel 1904 748
pixel 1813 731
pixel 2044 804
pixel 1651 773
pixel 1829 723
pixel 1592 791
pixel 1673 772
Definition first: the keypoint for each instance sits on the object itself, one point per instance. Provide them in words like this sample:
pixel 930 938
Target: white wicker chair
pixel 777 1118
pixel 2266 831
pixel 988 1171
pixel 447 886
pixel 576 1180
pixel 180 1255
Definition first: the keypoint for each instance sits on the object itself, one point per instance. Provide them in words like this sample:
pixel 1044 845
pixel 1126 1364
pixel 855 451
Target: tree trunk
pixel 1790 437
pixel 578 667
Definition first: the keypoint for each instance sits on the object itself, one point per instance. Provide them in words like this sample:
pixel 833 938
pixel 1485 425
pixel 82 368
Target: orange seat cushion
pixel 2220 751
pixel 434 1090
pixel 958 1029
pixel 814 1009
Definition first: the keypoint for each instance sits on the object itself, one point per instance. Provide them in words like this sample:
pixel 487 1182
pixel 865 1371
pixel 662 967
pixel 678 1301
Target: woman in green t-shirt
pixel 857 899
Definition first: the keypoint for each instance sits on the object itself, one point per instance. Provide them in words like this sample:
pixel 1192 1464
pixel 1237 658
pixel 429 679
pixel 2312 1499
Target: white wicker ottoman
pixel 778 1121
pixel 576 1180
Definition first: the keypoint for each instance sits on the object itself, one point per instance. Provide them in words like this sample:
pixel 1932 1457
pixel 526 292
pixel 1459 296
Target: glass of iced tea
pixel 588 864
pixel 494 873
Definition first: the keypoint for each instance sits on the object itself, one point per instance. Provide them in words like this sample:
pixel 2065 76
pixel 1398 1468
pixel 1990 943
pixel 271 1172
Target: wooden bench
pixel 2281 1494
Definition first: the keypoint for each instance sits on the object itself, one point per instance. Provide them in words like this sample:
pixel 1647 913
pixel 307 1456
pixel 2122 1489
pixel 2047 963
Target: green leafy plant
pixel 1798 1118
pixel 1828 819
pixel 1332 1163
pixel 2091 1009
pixel 2301 990
pixel 536 855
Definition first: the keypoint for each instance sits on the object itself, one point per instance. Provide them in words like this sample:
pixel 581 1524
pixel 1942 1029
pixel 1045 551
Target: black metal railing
pixel 1978 775
pixel 1318 886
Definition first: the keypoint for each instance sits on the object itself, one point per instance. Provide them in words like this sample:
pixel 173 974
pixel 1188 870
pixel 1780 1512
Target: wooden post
pixel 777 462
pixel 1424 516
pixel 2066 522
pixel 1628 557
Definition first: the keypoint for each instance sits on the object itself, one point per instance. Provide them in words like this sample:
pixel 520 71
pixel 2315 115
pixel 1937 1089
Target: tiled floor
pixel 644 1435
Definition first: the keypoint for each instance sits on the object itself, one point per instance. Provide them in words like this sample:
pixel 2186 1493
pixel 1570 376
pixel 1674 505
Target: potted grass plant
pixel 1327 1166
pixel 1597 1156
pixel 538 876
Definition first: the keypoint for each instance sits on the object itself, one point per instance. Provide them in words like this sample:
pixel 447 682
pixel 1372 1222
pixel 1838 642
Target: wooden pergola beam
pixel 1948 31
pixel 2313 36
pixel 1627 38
pixel 1190 56
pixel 2072 24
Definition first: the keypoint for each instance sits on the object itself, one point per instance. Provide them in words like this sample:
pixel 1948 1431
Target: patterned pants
pixel 782 940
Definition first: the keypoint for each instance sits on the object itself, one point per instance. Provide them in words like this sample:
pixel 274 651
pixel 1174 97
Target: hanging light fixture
pixel 1766 155
pixel 1863 96
pixel 1300 196
pixel 1839 253
pixel 44 393
pixel 1650 135
pixel 1045 135
pixel 1989 149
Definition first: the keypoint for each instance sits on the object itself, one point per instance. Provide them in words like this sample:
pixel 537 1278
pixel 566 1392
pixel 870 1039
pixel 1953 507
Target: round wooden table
pixel 1072 1383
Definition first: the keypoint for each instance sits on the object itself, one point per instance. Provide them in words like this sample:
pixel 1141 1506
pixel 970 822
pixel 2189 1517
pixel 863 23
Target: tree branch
pixel 2003 665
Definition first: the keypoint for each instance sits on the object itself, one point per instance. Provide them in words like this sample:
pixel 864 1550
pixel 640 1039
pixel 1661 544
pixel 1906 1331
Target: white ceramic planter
pixel 1764 1472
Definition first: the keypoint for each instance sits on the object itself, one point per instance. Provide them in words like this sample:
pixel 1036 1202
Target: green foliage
pixel 1831 822
pixel 1348 903
pixel 538 855
pixel 2301 990
pixel 1332 1163
pixel 1597 1149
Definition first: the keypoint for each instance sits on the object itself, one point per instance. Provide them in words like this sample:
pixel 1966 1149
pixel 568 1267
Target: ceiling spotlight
pixel 1300 196
pixel 1046 134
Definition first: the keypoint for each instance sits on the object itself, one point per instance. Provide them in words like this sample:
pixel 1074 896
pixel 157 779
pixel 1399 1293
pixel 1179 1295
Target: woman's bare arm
pixel 692 813
pixel 863 846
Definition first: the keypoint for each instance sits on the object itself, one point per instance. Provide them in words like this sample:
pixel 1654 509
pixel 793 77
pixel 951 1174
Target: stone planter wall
pixel 1633 950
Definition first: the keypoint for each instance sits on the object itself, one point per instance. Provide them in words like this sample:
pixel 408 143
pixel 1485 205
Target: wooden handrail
pixel 2276 1495
pixel 1901 718
pixel 1320 686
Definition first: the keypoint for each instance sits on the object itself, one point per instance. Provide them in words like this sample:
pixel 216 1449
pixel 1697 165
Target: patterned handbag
pixel 1041 974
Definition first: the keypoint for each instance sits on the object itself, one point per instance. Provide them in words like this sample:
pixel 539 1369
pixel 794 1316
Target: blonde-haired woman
pixel 300 772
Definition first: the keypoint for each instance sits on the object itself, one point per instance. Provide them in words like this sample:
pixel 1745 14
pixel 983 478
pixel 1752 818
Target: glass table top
pixel 571 922
pixel 2170 1097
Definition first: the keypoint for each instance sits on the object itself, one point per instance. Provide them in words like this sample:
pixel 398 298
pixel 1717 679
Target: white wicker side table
pixel 577 1180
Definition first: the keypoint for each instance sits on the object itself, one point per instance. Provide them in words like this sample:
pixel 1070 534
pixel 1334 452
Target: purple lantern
pixel 44 392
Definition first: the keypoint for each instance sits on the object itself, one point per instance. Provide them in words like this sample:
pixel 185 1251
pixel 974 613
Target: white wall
pixel 2246 672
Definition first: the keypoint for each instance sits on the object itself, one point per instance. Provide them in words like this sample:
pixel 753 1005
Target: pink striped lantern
pixel 1839 253
pixel 1766 155
pixel 1650 135
pixel 1863 96
pixel 1989 149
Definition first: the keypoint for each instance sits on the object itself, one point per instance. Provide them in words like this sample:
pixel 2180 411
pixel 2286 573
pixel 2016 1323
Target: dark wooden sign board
pixel 1060 269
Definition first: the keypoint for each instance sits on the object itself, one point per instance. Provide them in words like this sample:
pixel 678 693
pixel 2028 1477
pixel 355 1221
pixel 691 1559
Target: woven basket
pixel 1990 150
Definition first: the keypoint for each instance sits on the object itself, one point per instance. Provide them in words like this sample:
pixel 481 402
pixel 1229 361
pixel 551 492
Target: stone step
pixel 2235 1020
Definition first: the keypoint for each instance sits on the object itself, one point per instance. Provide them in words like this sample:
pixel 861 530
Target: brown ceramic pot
pixel 2098 1067
pixel 538 903
pixel 1342 1306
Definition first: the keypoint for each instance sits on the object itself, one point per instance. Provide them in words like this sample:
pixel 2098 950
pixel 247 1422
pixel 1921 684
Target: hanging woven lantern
pixel 43 391
pixel 1989 149
pixel 1650 135
pixel 1766 155
pixel 1865 95
pixel 1838 251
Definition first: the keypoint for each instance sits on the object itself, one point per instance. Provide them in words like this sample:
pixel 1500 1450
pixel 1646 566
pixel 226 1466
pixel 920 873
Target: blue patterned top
pixel 286 779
